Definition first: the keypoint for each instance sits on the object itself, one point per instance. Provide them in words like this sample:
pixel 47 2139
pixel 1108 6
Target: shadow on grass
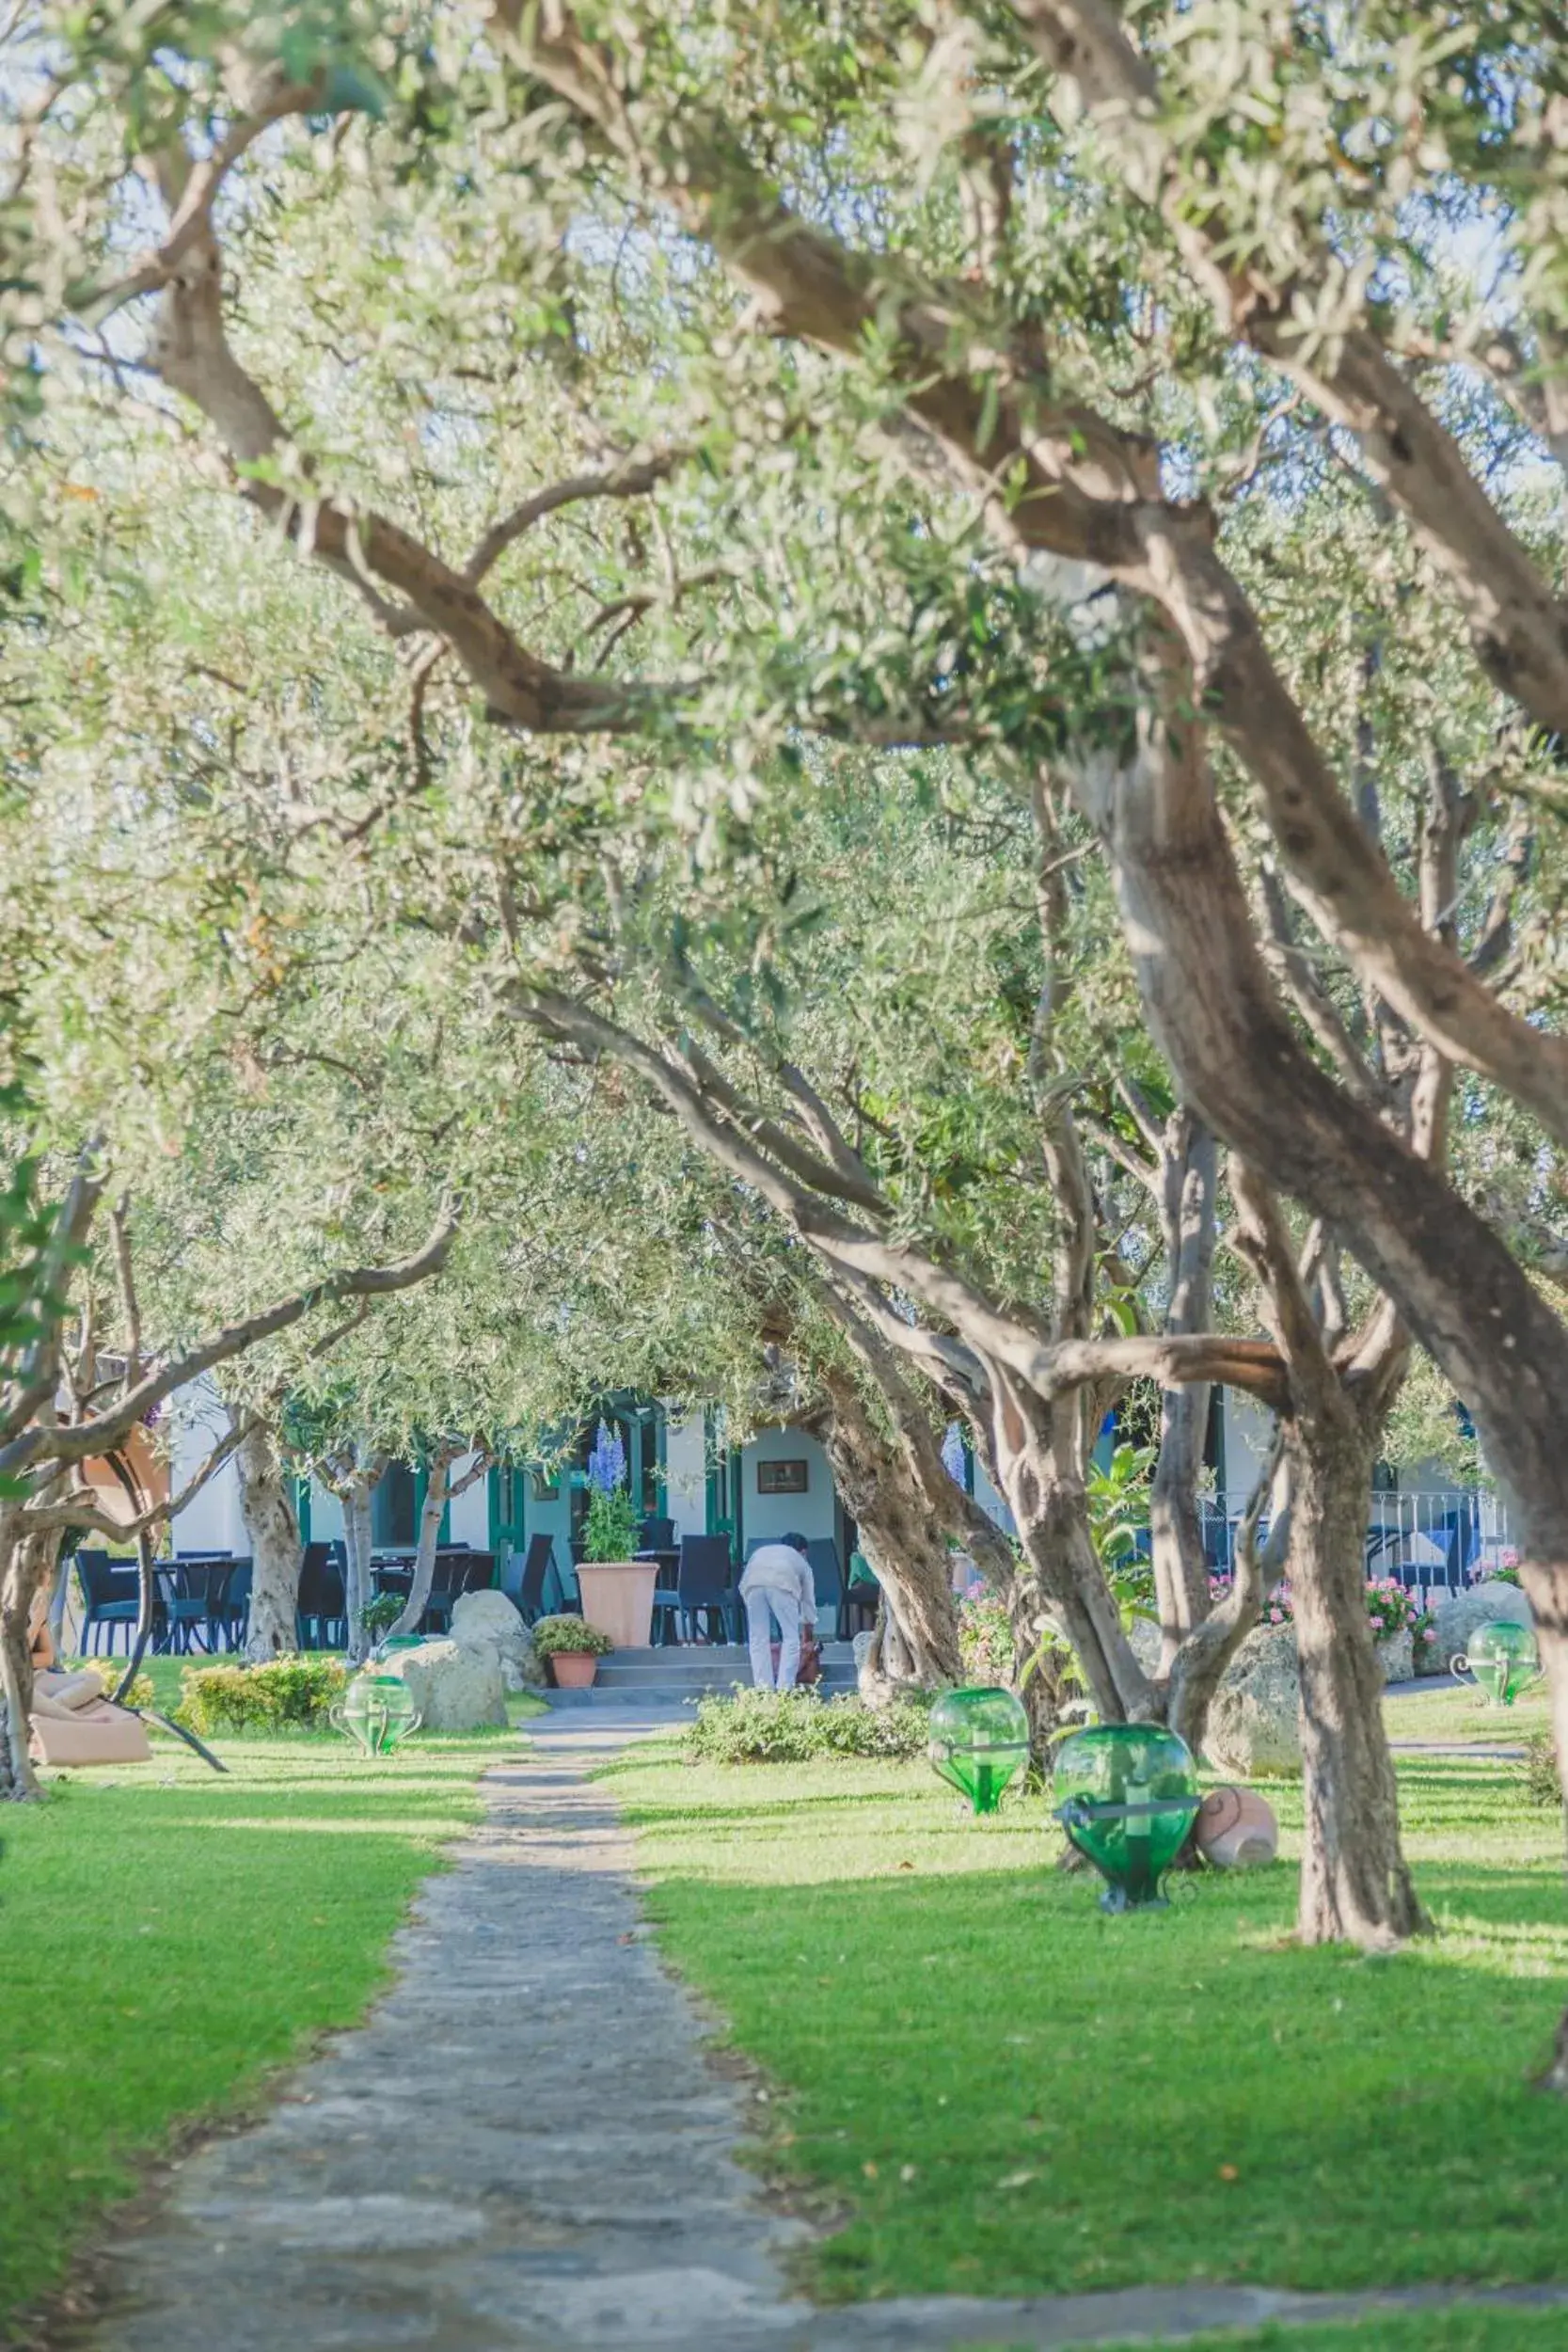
pixel 1015 2093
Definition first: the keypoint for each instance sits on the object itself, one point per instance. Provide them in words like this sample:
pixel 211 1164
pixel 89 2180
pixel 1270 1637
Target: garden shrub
pixel 796 1727
pixel 571 1636
pixel 109 1672
pixel 1541 1785
pixel 285 1694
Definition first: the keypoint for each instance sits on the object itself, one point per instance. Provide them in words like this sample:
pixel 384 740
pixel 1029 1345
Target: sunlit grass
pixel 1007 2092
pixel 167 1937
pixel 1445 1709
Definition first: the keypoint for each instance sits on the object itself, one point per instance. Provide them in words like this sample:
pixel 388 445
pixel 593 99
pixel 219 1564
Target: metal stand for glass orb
pixel 979 1739
pixel 1136 1886
pixel 1502 1657
pixel 1127 1796
pixel 376 1712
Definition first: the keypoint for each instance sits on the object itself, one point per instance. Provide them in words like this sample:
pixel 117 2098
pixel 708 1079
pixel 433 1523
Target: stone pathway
pixel 524 2150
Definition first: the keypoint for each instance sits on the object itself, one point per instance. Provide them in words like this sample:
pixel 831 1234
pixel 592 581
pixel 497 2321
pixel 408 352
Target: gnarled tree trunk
pixel 271 1532
pixel 1189 1192
pixel 441 1490
pixel 1356 1884
pixel 28 1565
pixel 904 1543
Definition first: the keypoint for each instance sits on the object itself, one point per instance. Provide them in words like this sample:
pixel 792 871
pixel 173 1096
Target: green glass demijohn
pixel 1502 1657
pixel 979 1741
pixel 376 1712
pixel 1127 1796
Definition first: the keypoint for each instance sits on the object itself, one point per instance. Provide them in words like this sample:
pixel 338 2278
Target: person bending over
pixel 777 1590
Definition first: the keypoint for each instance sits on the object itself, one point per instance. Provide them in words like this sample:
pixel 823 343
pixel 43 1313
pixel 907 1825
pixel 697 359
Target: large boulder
pixel 492 1621
pixel 1254 1717
pixel 454 1688
pixel 1146 1641
pixel 1478 1604
pixel 1396 1655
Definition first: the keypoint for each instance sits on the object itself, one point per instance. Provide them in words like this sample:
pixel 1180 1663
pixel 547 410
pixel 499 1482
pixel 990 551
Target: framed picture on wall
pixel 781 1478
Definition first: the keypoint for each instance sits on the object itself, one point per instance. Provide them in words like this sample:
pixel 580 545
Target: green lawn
pixel 1457 2330
pixel 998 2090
pixel 1450 1710
pixel 167 1937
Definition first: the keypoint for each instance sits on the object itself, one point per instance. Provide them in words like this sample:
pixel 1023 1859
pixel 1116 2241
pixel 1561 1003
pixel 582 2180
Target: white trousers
pixel 764 1609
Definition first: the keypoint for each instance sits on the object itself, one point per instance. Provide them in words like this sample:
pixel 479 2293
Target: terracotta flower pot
pixel 574 1668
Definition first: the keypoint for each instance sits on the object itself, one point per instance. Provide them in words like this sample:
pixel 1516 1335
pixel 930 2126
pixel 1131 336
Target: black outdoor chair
pixel 456 1573
pixel 656 1534
pixel 231 1619
pixel 191 1593
pixel 827 1574
pixel 110 1598
pixel 702 1589
pixel 321 1612
pixel 536 1569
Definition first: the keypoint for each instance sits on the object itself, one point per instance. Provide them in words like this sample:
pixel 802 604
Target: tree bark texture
pixel 27 1566
pixel 1213 1013
pixel 1189 1197
pixel 905 1544
pixel 1355 1884
pixel 442 1490
pixel 271 1532
pixel 432 1511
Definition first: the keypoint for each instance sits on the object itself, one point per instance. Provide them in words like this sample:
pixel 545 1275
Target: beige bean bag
pixel 73 1723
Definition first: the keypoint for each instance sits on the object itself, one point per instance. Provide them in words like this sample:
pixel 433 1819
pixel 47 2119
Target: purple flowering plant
pixel 610 1532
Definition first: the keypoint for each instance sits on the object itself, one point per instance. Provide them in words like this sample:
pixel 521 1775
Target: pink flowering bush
pixel 1391 1609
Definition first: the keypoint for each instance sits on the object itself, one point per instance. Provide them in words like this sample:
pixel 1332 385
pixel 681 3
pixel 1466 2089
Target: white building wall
pixel 1248 1434
pixel 765 1517
pixel 990 1502
pixel 210 1521
pixel 685 1473
pixel 469 1516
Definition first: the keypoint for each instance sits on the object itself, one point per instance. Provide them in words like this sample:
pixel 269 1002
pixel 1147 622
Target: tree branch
pixel 635 478
pixel 105 1431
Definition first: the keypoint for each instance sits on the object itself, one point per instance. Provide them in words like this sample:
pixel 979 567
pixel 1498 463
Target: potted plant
pixel 617 1590
pixel 574 1648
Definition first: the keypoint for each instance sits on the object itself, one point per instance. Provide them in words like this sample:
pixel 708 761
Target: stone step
pixel 681 1675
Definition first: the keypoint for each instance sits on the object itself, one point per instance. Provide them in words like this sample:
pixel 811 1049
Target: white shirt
pixel 780 1568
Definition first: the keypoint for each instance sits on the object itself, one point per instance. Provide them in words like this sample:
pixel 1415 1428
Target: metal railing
pixel 1431 1540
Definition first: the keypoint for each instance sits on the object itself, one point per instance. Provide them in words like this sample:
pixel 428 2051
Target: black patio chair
pixel 110 1598
pixel 191 1592
pixel 531 1597
pixel 827 1574
pixel 231 1619
pixel 454 1574
pixel 656 1533
pixel 320 1611
pixel 702 1589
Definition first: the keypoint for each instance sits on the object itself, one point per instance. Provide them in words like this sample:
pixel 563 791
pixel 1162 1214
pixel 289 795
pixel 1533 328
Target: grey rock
pixel 493 1621
pixel 1254 1719
pixel 1478 1604
pixel 1397 1657
pixel 454 1688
